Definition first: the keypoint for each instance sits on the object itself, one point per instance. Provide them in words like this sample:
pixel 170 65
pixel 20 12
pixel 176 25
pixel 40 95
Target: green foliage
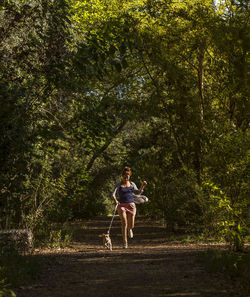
pixel 53 236
pixel 16 270
pixel 5 291
pixel 88 87
pixel 55 239
pixel 231 221
pixel 228 186
pixel 30 45
pixel 235 265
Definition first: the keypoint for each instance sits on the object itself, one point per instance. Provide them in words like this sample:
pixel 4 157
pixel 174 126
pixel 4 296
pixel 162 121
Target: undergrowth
pixel 53 237
pixel 176 238
pixel 235 265
pixel 16 270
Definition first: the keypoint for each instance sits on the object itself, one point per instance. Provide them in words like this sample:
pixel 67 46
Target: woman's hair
pixel 127 170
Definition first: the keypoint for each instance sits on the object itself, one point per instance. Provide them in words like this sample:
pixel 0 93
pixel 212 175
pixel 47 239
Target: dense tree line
pixel 90 86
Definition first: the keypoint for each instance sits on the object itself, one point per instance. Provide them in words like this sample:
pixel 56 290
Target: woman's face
pixel 126 176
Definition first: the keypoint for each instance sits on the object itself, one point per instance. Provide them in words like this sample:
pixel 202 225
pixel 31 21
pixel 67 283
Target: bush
pixel 53 236
pixel 235 265
pixel 58 240
pixel 5 291
pixel 15 270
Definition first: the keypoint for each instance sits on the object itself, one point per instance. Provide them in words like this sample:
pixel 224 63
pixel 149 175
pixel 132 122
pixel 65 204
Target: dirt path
pixel 149 267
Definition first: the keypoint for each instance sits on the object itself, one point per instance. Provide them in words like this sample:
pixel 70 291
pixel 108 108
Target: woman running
pixel 126 205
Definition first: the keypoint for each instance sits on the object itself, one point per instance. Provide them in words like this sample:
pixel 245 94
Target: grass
pixel 184 238
pixel 235 265
pixel 54 236
pixel 16 270
pixel 5 291
pixel 58 235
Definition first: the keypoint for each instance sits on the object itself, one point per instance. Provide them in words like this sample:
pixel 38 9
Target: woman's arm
pixel 114 193
pixel 135 189
pixel 143 185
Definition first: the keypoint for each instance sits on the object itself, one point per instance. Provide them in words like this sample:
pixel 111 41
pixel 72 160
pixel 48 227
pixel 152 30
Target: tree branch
pixel 105 146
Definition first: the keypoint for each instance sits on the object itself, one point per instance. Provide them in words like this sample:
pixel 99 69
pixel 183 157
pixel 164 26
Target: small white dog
pixel 107 241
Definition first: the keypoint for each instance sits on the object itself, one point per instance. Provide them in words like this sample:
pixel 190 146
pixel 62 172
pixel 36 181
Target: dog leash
pixel 112 219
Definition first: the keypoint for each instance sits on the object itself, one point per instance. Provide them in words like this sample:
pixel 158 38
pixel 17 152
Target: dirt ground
pixel 151 266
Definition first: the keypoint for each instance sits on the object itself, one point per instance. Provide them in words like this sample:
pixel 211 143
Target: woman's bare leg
pixel 124 223
pixel 131 221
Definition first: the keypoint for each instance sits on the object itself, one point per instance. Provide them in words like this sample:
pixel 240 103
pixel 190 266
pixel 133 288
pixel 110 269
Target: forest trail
pixel 151 266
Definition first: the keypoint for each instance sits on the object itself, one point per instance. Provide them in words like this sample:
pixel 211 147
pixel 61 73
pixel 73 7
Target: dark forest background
pixel 88 87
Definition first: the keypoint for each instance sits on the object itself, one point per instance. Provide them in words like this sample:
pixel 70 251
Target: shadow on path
pixel 149 267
